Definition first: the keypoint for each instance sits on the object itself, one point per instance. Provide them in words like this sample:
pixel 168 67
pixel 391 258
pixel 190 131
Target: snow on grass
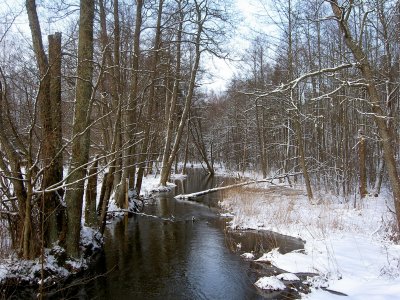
pixel 151 184
pixel 56 264
pixel 270 283
pixel 350 248
pixel 288 277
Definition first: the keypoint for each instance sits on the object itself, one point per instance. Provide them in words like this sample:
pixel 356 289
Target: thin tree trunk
pixel 102 193
pixel 171 111
pixel 286 158
pixel 132 108
pixel 116 91
pixel 379 177
pixel 362 165
pixel 185 160
pixel 302 160
pixel 91 194
pixel 150 103
pixel 260 136
pixel 198 141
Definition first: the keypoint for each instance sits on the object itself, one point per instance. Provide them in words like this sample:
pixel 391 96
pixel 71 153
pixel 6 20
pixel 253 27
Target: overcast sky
pixel 222 70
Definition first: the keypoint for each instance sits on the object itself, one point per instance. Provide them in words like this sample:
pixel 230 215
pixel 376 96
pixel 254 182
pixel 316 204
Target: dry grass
pixel 254 201
pixel 287 210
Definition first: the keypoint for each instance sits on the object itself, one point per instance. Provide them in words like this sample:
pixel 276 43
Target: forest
pixel 121 89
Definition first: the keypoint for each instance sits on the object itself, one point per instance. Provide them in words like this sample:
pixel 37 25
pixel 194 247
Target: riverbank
pixel 352 249
pixel 52 270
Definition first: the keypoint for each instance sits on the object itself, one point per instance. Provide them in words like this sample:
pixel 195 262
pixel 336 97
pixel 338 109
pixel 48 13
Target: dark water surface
pixel 188 258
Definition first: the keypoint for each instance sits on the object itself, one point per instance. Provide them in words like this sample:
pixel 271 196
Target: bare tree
pixel 342 14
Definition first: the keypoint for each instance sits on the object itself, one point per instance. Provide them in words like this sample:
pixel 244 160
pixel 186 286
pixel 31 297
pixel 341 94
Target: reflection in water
pixel 147 258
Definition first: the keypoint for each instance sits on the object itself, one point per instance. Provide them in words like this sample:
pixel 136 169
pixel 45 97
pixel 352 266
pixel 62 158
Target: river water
pixel 189 257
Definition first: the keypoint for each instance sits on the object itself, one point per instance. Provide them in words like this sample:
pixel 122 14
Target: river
pixel 190 257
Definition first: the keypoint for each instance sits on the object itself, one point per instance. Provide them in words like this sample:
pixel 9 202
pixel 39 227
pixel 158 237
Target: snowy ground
pixel 350 248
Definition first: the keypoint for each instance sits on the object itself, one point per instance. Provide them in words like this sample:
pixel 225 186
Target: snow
pixel 56 265
pixel 351 249
pixel 270 283
pixel 226 215
pixel 248 256
pixel 288 277
pixel 178 176
pixel 151 184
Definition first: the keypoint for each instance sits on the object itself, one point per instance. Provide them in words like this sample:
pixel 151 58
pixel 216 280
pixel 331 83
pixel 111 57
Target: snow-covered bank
pixel 56 267
pixel 350 248
pixel 53 270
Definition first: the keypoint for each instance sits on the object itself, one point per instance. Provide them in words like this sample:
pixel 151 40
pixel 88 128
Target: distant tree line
pixel 322 98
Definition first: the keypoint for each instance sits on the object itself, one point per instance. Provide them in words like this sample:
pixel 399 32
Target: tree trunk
pixel 150 102
pixel 362 165
pixel 56 168
pixel 167 155
pixel 116 92
pixel 185 159
pixel 81 130
pixel 302 160
pixel 91 194
pixel 198 141
pixel 261 144
pixel 128 173
pixel 49 98
pixel 379 177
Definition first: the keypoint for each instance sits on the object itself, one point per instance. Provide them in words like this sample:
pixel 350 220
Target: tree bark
pixel 127 180
pixel 171 110
pixel 150 102
pixel 362 165
pixel 302 160
pixel 81 130
pixel 91 194
pixel 49 97
pixel 261 143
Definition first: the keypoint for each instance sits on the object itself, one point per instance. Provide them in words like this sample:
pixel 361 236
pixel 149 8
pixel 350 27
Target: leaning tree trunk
pixel 81 129
pixel 374 101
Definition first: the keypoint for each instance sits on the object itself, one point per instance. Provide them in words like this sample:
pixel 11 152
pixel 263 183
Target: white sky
pixel 222 71
pixel 249 27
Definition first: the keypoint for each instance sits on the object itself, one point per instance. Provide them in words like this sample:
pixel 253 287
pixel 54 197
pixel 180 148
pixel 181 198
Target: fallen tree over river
pixel 221 188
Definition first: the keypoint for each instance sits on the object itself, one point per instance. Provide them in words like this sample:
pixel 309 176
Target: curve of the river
pixel 187 258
